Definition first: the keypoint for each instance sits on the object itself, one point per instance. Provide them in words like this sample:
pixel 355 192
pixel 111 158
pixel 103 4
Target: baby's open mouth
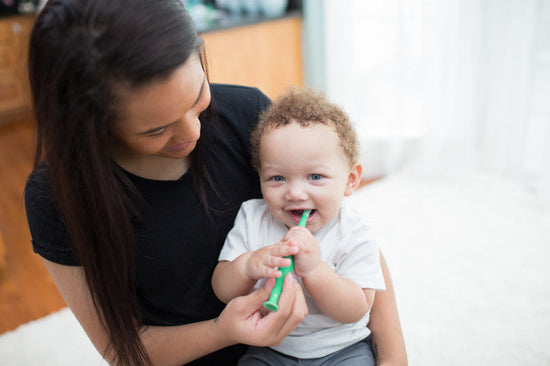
pixel 300 212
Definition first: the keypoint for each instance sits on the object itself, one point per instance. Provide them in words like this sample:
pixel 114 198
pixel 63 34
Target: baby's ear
pixel 354 178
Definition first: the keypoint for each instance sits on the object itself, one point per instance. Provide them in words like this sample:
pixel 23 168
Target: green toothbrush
pixel 271 304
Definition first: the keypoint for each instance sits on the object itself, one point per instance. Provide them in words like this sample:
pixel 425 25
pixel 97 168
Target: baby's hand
pixel 262 262
pixel 309 254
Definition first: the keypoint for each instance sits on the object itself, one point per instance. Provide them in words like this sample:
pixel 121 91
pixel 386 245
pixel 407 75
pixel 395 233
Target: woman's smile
pixel 179 147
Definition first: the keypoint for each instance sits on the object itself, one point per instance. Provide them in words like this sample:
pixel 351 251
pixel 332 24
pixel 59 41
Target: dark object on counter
pixel 9 7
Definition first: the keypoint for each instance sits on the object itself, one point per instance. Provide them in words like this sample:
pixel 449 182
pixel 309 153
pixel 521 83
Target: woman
pixel 140 169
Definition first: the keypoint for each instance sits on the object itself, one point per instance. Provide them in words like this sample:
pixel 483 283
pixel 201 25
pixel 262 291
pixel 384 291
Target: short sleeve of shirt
pixel 48 232
pixel 235 243
pixel 358 258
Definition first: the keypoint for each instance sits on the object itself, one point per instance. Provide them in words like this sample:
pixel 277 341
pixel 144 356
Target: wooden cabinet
pixel 267 55
pixel 14 89
pixel 2 251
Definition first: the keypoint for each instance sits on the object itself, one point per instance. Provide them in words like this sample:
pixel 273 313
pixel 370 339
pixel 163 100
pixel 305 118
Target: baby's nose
pixel 296 192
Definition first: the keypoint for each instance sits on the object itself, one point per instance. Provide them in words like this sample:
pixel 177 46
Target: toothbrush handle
pixel 271 304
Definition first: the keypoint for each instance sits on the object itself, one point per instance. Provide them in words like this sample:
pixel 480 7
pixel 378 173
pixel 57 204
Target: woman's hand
pixel 308 256
pixel 262 262
pixel 243 321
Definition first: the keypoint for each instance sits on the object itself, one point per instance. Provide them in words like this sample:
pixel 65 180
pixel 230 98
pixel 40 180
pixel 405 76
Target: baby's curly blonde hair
pixel 305 106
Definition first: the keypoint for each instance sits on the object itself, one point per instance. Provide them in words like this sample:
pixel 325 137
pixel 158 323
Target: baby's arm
pixel 230 280
pixel 339 298
pixel 238 277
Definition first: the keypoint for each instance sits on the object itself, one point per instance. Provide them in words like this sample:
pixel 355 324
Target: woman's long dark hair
pixel 78 50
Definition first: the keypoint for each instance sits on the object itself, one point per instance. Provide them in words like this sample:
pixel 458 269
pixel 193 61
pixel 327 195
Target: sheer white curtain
pixel 440 85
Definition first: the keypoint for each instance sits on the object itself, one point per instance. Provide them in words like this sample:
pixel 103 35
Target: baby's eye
pixel 278 178
pixel 315 177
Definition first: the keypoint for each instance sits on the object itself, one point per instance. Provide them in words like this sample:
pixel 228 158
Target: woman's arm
pixel 387 337
pixel 240 322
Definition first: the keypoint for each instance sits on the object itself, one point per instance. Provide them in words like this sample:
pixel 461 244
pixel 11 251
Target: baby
pixel 306 153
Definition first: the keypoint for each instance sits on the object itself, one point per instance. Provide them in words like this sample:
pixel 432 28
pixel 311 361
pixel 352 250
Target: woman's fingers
pixel 292 308
pixel 269 330
pixel 261 295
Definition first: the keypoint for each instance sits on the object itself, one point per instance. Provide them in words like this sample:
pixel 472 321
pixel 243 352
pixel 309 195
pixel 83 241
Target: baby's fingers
pixel 284 249
pixel 277 262
pixel 271 272
pixel 261 270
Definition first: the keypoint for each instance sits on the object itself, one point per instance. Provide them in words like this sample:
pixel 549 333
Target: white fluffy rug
pixel 55 340
pixel 470 259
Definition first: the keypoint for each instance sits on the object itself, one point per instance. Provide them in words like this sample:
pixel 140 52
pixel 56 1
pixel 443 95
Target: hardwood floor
pixel 26 289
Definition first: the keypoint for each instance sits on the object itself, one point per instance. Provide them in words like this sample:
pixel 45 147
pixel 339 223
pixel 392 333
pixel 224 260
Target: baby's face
pixel 304 168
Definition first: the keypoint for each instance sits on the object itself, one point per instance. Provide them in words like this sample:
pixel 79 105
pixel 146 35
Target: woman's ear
pixel 354 178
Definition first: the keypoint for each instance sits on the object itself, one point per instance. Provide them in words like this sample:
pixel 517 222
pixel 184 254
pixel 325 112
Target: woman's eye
pixel 315 177
pixel 278 178
pixel 157 133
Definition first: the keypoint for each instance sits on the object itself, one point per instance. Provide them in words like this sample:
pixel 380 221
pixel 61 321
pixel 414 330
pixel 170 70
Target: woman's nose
pixel 188 129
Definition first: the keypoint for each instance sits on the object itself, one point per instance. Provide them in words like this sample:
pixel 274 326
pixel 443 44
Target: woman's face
pixel 161 119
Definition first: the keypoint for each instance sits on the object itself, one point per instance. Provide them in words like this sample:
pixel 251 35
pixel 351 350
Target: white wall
pixel 440 85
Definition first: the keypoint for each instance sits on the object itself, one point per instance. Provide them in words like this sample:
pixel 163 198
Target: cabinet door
pixel 14 90
pixel 267 55
pixel 7 46
pixel 12 96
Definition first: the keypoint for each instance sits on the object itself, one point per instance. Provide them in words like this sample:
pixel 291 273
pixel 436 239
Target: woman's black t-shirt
pixel 177 243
